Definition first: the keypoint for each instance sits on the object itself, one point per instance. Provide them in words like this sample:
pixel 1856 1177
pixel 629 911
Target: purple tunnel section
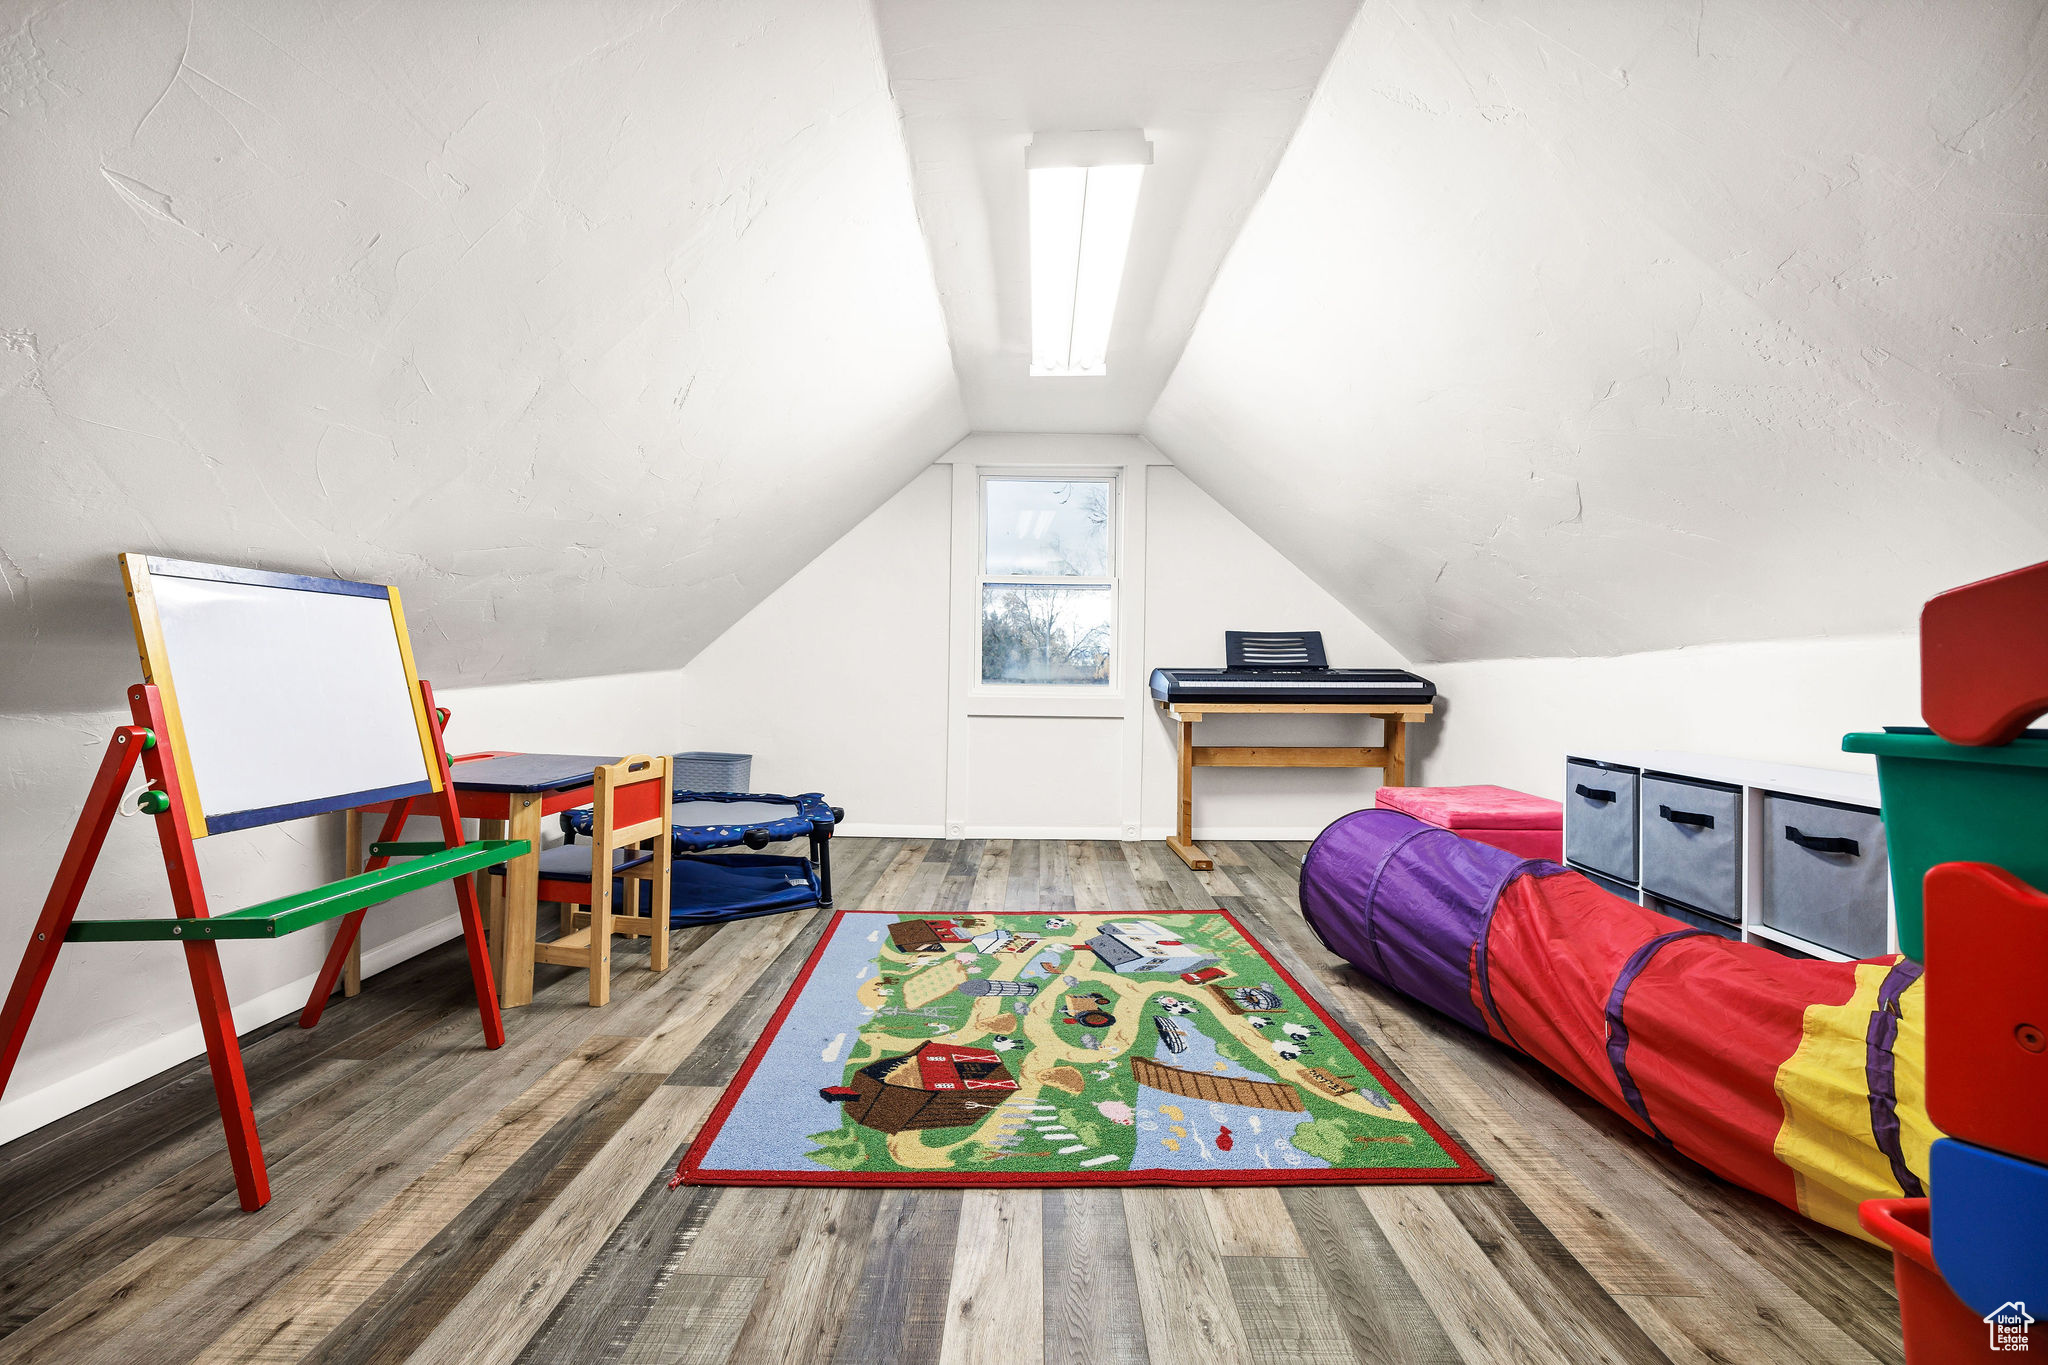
pixel 1408 904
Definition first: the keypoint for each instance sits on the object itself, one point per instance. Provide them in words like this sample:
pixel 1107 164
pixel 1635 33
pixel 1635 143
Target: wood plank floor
pixel 435 1202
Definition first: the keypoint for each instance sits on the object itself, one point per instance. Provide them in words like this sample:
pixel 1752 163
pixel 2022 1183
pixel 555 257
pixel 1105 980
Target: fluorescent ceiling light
pixel 1084 196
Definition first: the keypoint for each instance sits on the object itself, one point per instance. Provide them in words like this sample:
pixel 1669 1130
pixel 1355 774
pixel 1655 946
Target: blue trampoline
pixel 714 887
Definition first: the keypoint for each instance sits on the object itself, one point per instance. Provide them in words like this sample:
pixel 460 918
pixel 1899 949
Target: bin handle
pixel 1822 844
pixel 1594 793
pixel 1697 819
pixel 1881 1218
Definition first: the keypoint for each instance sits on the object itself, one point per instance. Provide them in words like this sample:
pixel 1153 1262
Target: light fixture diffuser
pixel 1084 197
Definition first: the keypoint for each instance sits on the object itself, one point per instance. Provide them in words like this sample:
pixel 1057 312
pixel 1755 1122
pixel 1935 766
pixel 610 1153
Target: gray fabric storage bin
pixel 1600 818
pixel 1692 845
pixel 1819 889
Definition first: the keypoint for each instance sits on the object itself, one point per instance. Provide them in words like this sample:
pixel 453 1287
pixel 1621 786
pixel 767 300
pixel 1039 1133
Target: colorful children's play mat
pixel 1066 1049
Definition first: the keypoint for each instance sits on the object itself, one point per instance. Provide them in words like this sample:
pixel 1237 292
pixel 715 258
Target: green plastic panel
pixel 1957 803
pixel 289 914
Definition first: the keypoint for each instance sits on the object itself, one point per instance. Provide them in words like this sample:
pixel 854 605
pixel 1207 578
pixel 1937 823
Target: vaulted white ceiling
pixel 588 323
pixel 1585 328
pixel 1217 85
pixel 1525 326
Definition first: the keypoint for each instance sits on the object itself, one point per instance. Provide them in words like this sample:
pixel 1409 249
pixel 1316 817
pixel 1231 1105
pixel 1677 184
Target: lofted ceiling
pixel 588 324
pixel 1582 328
pixel 1524 326
pixel 1218 86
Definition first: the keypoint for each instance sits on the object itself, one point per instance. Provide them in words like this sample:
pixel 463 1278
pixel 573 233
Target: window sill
pixel 1099 703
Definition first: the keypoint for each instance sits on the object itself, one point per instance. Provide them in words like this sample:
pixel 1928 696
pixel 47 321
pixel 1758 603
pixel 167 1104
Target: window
pixel 1048 581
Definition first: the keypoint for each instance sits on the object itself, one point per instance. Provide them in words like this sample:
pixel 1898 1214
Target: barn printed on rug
pixel 1071 1049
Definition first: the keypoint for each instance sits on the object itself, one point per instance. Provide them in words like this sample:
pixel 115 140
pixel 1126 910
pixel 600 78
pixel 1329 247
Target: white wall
pixel 117 1013
pixel 1210 573
pixel 1510 721
pixel 838 681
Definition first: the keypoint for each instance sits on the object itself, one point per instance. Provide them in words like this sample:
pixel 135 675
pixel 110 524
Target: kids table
pixel 506 791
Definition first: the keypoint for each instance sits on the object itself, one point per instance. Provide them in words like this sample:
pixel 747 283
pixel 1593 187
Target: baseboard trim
pixel 23 1114
pixel 1245 833
pixel 1248 833
pixel 1043 832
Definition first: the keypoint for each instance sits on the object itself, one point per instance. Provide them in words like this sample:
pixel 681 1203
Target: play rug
pixel 1071 1049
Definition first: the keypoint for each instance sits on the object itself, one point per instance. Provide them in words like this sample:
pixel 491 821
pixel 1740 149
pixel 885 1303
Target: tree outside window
pixel 1048 589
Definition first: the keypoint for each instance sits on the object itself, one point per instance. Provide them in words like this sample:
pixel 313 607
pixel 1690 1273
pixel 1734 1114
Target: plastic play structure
pixel 1966 810
pixel 292 696
pixel 1799 1079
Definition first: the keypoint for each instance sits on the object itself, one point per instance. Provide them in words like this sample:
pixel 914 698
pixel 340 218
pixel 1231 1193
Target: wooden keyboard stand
pixel 1390 755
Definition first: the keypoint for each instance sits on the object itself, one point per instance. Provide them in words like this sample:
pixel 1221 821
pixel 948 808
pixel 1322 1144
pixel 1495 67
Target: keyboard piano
pixel 1321 686
pixel 1284 672
pixel 1286 667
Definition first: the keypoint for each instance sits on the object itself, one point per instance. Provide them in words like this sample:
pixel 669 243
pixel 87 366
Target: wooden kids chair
pixel 630 808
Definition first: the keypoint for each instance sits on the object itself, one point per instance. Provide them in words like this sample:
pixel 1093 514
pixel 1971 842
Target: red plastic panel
pixel 1984 657
pixel 639 803
pixel 1987 1008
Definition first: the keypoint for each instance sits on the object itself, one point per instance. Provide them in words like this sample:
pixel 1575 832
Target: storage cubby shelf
pixel 1756 781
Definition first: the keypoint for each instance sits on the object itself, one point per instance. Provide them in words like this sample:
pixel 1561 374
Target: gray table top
pixel 528 772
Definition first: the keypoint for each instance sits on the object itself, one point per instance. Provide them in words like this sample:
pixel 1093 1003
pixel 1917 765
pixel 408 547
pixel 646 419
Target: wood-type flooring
pixel 435 1202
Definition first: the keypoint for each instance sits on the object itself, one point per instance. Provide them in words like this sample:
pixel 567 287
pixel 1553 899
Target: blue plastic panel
pixel 1990 1228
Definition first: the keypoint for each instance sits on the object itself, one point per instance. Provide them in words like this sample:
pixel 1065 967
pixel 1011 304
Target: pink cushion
pixel 1474 808
pixel 1523 843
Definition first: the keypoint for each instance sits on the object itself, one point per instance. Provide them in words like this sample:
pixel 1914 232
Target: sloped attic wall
pixel 585 323
pixel 1581 329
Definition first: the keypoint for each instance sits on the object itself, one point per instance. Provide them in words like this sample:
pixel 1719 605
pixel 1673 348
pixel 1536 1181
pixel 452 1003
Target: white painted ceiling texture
pixel 587 324
pixel 1585 328
pixel 1217 85
pixel 1561 327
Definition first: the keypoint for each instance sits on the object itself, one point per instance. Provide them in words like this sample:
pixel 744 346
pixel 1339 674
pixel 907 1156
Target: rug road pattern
pixel 437 1203
pixel 1090 1048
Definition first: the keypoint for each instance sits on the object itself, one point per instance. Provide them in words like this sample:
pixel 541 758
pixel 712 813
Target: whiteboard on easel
pixel 285 695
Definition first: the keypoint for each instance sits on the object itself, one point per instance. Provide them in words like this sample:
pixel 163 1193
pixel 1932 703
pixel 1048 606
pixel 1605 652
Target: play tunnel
pixel 1800 1079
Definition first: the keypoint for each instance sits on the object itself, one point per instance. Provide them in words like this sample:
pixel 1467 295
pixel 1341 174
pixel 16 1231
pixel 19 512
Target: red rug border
pixel 691 1171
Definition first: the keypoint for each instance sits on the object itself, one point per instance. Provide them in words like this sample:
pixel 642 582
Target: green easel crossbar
pixel 289 914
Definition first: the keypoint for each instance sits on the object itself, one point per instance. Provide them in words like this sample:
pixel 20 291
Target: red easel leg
pixel 337 952
pixel 465 887
pixel 209 989
pixel 330 970
pixel 230 1084
pixel 62 902
pixel 479 962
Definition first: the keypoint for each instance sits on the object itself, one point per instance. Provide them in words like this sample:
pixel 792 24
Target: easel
pixel 150 740
pixel 1390 755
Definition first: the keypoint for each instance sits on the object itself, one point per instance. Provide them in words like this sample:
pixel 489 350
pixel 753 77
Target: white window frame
pixel 1128 459
pixel 1109 687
